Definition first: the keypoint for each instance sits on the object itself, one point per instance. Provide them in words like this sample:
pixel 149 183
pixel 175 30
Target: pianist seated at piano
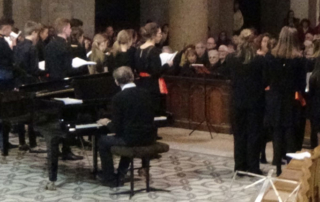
pixel 132 122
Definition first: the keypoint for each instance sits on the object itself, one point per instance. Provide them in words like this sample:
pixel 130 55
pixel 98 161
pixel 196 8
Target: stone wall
pixel 1 8
pixel 46 11
pixel 155 10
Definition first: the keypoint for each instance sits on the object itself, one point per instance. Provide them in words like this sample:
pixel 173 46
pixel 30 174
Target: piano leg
pixel 5 129
pixel 95 139
pixel 53 157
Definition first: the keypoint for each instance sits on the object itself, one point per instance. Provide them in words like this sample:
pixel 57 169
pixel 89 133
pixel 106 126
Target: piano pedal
pixel 51 186
pixel 3 160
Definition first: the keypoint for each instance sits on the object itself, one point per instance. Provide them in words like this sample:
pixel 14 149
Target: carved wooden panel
pixel 186 100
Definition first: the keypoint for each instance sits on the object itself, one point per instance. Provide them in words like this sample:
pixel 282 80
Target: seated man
pixel 132 122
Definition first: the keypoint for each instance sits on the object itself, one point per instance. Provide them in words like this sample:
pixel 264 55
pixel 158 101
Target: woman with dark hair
pixel 41 43
pixel 264 45
pixel 165 35
pixel 149 68
pixel 290 20
pixel 223 39
pixel 77 45
pixel 287 81
pixel 247 104
pixel 304 29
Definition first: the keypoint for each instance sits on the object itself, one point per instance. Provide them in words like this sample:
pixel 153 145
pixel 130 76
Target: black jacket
pixel 58 58
pixel 287 76
pixel 248 81
pixel 148 61
pixel 26 57
pixel 6 55
pixel 133 117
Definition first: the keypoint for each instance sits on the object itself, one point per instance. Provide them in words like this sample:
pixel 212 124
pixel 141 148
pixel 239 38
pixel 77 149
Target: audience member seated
pixel 202 56
pixel 223 52
pixel 98 55
pixel 304 29
pixel 211 44
pixel 214 66
pixel 132 122
pixel 223 39
pixel 187 70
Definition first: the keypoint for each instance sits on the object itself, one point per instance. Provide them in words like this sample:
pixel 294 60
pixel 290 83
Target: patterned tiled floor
pixel 189 176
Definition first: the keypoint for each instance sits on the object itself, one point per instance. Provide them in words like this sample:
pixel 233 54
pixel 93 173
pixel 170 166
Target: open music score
pixel 97 126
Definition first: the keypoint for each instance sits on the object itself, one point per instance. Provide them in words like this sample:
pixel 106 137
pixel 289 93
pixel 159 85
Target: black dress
pixel 287 76
pixel 247 104
pixel 314 105
pixel 147 61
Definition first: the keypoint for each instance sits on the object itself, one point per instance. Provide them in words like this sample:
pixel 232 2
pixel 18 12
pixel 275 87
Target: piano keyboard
pixel 96 126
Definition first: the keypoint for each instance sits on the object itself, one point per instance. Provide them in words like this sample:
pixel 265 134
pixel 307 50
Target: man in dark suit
pixel 58 61
pixel 132 122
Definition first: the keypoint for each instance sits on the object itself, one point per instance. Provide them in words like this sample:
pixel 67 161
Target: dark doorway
pixel 251 11
pixel 121 14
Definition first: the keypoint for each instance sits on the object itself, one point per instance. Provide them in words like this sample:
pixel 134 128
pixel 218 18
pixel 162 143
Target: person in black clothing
pixel 214 63
pixel 287 78
pixel 223 39
pixel 41 43
pixel 248 84
pixel 98 54
pixel 59 64
pixel 223 68
pixel 26 55
pixel 77 45
pixel 132 122
pixel 6 74
pixel 76 23
pixel 202 54
pixel 187 70
pixel 58 55
pixel 120 51
pixel 148 65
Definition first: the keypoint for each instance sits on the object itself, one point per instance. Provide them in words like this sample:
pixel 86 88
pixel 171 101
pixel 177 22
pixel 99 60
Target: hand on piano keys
pixel 103 122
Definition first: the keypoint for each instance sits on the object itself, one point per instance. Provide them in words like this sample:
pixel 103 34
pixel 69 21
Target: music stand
pixel 202 70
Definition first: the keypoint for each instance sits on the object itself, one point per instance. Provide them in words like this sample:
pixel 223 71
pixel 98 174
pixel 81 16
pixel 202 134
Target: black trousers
pixel 284 141
pixel 105 144
pixel 315 129
pixel 247 126
pixel 22 135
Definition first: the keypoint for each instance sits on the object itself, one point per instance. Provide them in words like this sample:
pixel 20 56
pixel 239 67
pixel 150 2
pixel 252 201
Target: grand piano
pixel 94 93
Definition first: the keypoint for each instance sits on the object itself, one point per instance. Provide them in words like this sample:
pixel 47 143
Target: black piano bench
pixel 142 152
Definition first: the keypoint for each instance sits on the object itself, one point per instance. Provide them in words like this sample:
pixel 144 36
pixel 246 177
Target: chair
pixel 141 152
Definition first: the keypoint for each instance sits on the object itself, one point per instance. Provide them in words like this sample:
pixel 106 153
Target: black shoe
pixel 24 147
pixel 12 146
pixel 111 182
pixel 37 150
pixel 159 138
pixel 71 157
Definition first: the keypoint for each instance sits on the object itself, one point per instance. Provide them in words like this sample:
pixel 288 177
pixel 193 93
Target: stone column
pixel 21 12
pixel 1 8
pixel 188 20
pixel 214 17
pixel 85 11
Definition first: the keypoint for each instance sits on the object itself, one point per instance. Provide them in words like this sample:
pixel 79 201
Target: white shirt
pixel 128 85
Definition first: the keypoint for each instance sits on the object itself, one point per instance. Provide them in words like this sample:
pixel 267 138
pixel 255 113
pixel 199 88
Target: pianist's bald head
pixel 123 75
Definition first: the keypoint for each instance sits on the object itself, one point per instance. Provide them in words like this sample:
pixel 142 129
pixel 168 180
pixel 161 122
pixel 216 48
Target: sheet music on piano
pixel 69 101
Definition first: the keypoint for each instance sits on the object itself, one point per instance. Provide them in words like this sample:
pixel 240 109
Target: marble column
pixel 188 21
pixel 1 8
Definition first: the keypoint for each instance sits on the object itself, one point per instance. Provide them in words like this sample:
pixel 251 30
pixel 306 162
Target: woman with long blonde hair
pixel 287 81
pixel 98 54
pixel 248 84
pixel 120 51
